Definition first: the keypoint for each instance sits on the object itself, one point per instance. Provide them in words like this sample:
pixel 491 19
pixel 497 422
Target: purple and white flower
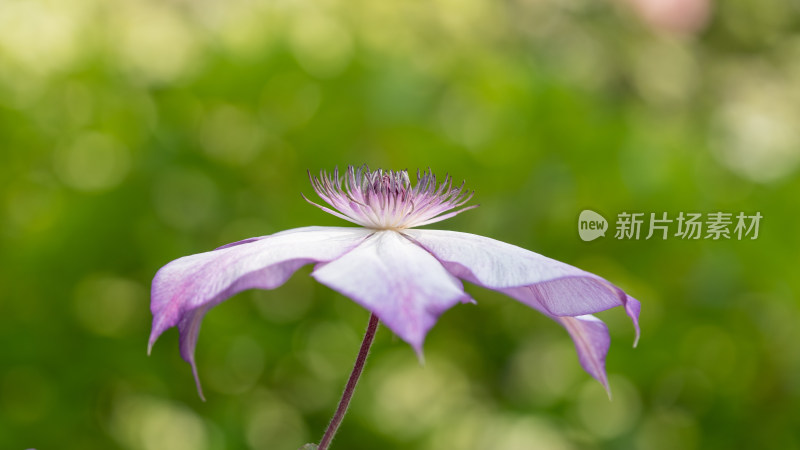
pixel 406 277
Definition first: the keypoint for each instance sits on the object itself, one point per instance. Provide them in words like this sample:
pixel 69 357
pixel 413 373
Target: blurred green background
pixel 135 132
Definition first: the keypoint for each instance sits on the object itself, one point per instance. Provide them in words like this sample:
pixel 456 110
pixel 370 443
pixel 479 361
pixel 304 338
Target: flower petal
pixel 592 341
pixel 185 289
pixel 551 286
pixel 401 283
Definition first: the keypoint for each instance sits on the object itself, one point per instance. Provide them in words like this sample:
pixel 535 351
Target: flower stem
pixel 372 327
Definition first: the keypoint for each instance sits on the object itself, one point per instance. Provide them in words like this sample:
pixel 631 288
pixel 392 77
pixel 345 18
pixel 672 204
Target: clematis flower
pixel 406 277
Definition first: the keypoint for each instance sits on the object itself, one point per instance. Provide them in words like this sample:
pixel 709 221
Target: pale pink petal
pixel 401 283
pixel 185 289
pixel 538 281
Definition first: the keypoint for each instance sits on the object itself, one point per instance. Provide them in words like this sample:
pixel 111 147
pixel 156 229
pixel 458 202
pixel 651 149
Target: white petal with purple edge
pixel 185 289
pixel 550 286
pixel 401 283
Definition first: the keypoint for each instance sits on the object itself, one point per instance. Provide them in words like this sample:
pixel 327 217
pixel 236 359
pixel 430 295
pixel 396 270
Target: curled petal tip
pixel 633 308
pixel 638 333
pixel 420 355
pixel 603 379
pixel 197 382
pixel 417 344
pixel 150 343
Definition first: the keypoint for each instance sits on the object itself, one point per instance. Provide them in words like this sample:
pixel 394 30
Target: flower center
pixel 386 200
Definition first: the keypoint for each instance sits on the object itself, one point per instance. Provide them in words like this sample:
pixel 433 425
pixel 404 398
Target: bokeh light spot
pixel 92 162
pixel 410 399
pixel 229 134
pixel 329 349
pixel 756 133
pixel 26 395
pixel 109 305
pixel 482 428
pixel 149 423
pixel 667 430
pixel 321 45
pixel 40 36
pixel 163 50
pixel 605 418
pixel 186 198
pixel 33 206
pixel 241 369
pixel 523 433
pixel 288 304
pixel 542 373
pixel 465 122
pixel 272 424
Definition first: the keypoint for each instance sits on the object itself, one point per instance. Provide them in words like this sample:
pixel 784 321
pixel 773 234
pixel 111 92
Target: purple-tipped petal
pixel 401 283
pixel 538 281
pixel 563 292
pixel 592 341
pixel 185 289
pixel 632 309
pixel 189 327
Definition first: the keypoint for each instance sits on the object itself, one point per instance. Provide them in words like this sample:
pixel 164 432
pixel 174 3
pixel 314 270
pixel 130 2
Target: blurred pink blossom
pixel 683 17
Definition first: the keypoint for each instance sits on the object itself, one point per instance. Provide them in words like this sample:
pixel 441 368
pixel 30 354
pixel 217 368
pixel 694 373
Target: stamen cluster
pixel 384 200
